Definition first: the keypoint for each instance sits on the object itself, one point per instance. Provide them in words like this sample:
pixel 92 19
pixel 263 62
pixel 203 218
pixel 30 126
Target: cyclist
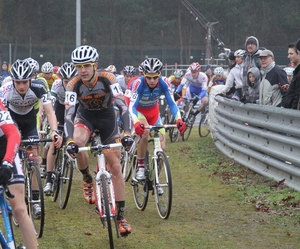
pixel 47 73
pixel 67 71
pixel 175 80
pixel 197 85
pixel 123 79
pixel 112 69
pixel 96 91
pixel 144 108
pixel 11 173
pixel 217 79
pixel 22 94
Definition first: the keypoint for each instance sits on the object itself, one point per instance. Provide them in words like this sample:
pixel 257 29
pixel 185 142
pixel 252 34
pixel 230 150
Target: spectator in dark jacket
pixel 293 90
pixel 253 81
pixel 4 70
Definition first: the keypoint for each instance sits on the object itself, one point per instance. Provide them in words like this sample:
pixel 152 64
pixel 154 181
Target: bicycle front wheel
pixel 163 186
pixel 125 163
pixel 140 188
pixel 65 181
pixel 56 175
pixel 35 197
pixel 189 126
pixel 204 129
pixel 106 208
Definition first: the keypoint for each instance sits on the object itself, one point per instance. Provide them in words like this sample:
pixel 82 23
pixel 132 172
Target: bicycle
pixel 32 175
pixel 62 177
pixel 7 240
pixel 105 197
pixel 158 177
pixel 204 129
pixel 128 158
pixel 189 117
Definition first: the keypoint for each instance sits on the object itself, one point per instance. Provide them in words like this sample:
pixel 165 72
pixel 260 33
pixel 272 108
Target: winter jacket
pixel 252 95
pixel 292 96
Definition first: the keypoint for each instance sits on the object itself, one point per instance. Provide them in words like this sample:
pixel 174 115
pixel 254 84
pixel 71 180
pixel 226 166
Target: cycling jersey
pixel 127 94
pixel 143 97
pixel 24 104
pixel 95 109
pixel 53 78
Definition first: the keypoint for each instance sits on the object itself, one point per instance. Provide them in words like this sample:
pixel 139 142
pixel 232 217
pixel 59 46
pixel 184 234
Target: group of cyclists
pixel 79 99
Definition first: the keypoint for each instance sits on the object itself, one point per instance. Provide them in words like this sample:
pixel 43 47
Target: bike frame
pixel 8 243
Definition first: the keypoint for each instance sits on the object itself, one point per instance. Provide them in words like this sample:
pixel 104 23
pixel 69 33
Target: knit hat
pixel 251 41
pixel 298 45
pixel 231 56
pixel 208 67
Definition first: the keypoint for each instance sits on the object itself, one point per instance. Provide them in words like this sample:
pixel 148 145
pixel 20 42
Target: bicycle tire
pixel 164 181
pixel 38 222
pixel 141 188
pixel 65 181
pixel 189 126
pixel 56 178
pixel 204 125
pixel 125 163
pixel 106 199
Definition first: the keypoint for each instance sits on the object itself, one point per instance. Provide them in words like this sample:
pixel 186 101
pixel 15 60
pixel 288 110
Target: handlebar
pixel 99 147
pixel 160 126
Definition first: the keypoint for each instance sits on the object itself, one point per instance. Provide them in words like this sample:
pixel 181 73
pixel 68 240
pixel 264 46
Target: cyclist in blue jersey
pixel 144 108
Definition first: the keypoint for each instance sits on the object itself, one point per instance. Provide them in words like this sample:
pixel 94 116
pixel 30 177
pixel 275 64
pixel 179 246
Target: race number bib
pixel 134 96
pixel 127 93
pixel 46 99
pixel 116 89
pixel 71 98
pixel 5 118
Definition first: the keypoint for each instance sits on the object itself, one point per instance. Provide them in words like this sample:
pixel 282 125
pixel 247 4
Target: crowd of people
pixel 78 98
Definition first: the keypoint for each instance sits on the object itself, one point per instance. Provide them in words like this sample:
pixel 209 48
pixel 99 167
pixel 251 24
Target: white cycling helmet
pixel 111 68
pixel 21 70
pixel 67 70
pixel 47 67
pixel 34 64
pixel 178 73
pixel 289 71
pixel 84 54
pixel 239 52
pixel 129 70
pixel 152 65
pixel 219 71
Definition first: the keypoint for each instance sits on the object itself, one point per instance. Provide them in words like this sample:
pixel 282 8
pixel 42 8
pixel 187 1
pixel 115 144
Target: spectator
pixel 273 77
pixel 251 58
pixel 293 91
pixel 289 73
pixel 234 81
pixel 209 72
pixel 253 81
pixel 4 70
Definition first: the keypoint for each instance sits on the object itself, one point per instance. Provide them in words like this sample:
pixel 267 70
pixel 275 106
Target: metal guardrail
pixel 264 139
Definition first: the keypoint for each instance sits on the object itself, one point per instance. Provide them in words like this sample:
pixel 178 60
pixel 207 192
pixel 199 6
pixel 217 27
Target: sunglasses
pixel 86 65
pixel 152 77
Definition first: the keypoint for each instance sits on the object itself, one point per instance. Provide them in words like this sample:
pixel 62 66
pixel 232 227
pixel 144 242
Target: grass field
pixel 214 206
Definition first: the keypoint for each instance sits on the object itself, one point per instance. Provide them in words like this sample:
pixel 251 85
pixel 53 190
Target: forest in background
pixel 142 23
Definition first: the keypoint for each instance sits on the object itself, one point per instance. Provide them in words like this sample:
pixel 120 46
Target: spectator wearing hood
pixel 251 59
pixel 273 76
pixel 209 72
pixel 4 70
pixel 253 81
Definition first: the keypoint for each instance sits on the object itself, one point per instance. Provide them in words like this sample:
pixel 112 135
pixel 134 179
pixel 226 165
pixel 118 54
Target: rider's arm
pixel 170 100
pixel 134 99
pixel 11 132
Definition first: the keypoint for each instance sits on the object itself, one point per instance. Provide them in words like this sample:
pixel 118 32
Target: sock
pixel 141 163
pixel 49 176
pixel 86 175
pixel 121 209
pixel 44 161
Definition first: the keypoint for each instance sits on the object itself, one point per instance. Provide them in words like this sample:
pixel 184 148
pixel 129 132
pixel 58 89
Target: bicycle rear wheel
pixel 204 129
pixel 104 189
pixel 65 181
pixel 163 186
pixel 36 198
pixel 140 188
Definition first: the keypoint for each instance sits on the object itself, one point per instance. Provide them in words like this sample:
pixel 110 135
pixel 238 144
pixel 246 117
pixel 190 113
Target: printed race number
pixel 116 89
pixel 5 118
pixel 71 98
